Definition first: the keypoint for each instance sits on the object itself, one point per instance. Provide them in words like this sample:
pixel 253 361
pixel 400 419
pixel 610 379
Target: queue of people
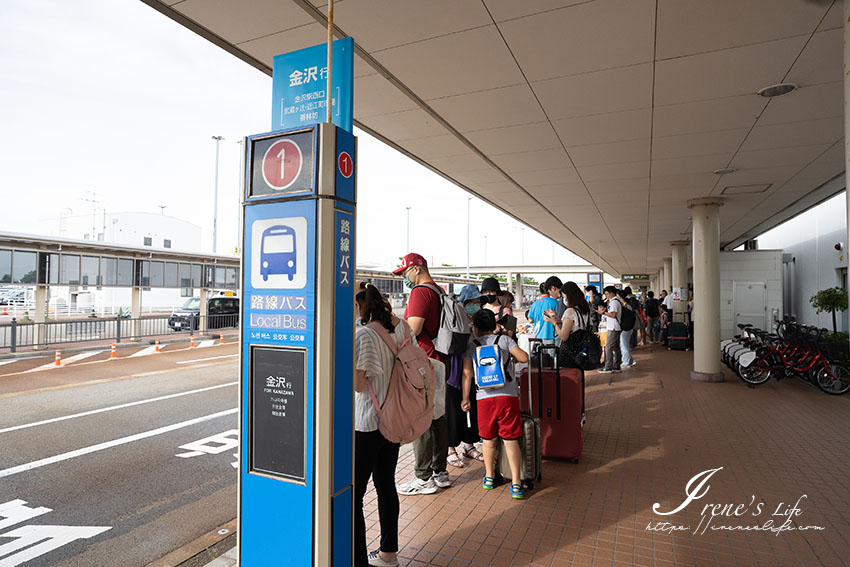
pixel 474 419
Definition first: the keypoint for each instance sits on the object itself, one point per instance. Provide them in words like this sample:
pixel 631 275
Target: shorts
pixel 499 417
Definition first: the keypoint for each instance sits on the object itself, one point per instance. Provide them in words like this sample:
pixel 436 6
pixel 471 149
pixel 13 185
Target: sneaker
pixel 583 418
pixel 416 486
pixel 376 561
pixel 441 479
pixel 629 365
pixel 616 370
pixel 604 371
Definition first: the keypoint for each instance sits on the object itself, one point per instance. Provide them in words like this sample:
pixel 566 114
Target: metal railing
pixel 17 334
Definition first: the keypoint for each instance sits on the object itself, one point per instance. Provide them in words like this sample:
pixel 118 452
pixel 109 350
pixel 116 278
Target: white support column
pixel 40 315
pixel 680 278
pixel 203 321
pixel 847 111
pixel 510 284
pixel 668 275
pixel 706 242
pixel 136 312
pixel 518 290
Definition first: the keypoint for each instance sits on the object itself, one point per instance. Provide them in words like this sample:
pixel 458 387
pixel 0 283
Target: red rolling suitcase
pixel 555 397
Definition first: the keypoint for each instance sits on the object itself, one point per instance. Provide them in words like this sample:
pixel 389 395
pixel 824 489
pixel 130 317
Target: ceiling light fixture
pixel 724 171
pixel 777 90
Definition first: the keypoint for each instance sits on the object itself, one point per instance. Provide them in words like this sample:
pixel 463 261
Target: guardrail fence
pixel 18 334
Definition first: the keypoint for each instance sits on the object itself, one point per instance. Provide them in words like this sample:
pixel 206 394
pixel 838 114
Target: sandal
pixel 474 453
pixel 517 492
pixel 489 483
pixel 455 460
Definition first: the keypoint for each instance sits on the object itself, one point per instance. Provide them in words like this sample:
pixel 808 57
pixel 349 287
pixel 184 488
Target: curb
pixel 203 550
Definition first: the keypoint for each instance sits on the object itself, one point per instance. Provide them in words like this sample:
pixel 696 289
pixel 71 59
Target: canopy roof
pixel 592 121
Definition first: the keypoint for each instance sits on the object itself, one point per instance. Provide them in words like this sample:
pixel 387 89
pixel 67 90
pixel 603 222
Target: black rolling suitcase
pixel 677 336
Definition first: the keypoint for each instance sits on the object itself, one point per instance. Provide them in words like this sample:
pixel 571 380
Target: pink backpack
pixel 409 406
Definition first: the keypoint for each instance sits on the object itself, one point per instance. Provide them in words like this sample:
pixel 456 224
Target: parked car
pixel 13 296
pixel 222 311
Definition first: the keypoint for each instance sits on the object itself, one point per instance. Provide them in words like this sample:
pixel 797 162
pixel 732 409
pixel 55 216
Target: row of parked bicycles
pixel 795 350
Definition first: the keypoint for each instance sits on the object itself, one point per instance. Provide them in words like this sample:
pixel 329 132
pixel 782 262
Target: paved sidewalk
pixel 650 430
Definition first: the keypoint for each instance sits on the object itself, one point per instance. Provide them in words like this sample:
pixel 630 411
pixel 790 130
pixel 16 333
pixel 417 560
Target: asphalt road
pixel 89 469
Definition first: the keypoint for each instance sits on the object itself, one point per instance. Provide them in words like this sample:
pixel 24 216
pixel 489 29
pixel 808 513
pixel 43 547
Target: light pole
pixel 522 243
pixel 485 249
pixel 217 139
pixel 407 250
pixel 468 205
pixel 239 196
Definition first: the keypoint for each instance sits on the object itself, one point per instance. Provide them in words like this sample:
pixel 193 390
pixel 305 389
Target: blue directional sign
pixel 300 82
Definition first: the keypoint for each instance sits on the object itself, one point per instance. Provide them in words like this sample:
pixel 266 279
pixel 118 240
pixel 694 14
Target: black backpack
pixel 652 307
pixel 582 348
pixel 627 317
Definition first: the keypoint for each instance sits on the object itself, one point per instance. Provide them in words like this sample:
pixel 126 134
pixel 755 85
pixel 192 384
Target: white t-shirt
pixel 668 301
pixel 613 323
pixel 579 320
pixel 374 357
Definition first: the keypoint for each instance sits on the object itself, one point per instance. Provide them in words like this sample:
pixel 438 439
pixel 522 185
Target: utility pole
pixel 408 230
pixel 468 205
pixel 217 139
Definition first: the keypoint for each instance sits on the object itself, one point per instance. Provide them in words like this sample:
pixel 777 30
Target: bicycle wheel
pixel 753 375
pixel 835 381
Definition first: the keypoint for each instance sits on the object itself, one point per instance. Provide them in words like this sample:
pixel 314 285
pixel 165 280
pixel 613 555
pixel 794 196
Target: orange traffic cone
pixel 221 340
pixel 192 341
pixel 157 345
pixel 113 356
pixel 5 311
pixel 58 359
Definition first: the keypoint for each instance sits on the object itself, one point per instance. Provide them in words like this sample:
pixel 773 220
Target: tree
pixel 832 299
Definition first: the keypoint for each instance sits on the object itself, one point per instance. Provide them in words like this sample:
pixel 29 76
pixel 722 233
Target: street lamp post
pixel 468 205
pixel 217 139
pixel 407 250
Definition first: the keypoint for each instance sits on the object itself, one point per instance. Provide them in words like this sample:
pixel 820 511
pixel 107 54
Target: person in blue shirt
pixel 542 329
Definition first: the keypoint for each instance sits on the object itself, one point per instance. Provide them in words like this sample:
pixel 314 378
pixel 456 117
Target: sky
pixel 112 101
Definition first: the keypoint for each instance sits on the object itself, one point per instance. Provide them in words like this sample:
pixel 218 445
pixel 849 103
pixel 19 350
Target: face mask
pixel 493 299
pixel 483 300
pixel 408 283
pixel 472 309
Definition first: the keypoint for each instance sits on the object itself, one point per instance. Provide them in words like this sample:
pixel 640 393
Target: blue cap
pixel 469 292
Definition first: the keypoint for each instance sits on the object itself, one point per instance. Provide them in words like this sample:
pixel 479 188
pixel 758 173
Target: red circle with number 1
pixel 282 164
pixel 346 165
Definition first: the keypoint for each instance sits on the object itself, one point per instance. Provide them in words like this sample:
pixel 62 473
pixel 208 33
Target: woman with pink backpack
pixel 379 421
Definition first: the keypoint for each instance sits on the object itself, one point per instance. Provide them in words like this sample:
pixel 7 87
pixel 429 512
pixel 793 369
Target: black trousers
pixel 376 457
pixel 456 418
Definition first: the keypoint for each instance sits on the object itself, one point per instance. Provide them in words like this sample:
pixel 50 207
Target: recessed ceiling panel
pixel 602 128
pixel 821 60
pixel 380 24
pixel 510 106
pixel 610 153
pixel 806 103
pixel 242 21
pixel 686 27
pixel 806 133
pixel 708 116
pixel 522 138
pixel 601 92
pixel 474 60
pixel 587 37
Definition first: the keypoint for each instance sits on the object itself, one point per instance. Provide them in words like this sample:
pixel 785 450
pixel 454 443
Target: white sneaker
pixel 441 479
pixel 416 486
pixel 376 561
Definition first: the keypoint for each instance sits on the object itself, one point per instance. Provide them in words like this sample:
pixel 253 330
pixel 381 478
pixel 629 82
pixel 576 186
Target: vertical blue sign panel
pixel 300 82
pixel 344 352
pixel 279 306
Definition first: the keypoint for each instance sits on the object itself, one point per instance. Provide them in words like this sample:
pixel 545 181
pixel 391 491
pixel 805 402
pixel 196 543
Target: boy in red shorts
pixel 498 408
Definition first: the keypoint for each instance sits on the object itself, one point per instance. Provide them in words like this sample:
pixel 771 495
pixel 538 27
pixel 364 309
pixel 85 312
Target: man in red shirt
pixel 423 314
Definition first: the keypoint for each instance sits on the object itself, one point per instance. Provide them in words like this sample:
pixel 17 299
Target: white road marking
pixel 204 344
pixel 114 443
pixel 212 445
pixel 10 361
pixel 70 360
pixel 111 408
pixel 16 511
pixel 145 351
pixel 47 538
pixel 205 359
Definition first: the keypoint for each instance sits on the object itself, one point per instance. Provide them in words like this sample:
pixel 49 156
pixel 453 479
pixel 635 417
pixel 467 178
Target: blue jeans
pixel 625 338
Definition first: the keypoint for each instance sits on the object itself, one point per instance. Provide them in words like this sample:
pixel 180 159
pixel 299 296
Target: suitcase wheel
pixel 529 485
pixel 574 461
